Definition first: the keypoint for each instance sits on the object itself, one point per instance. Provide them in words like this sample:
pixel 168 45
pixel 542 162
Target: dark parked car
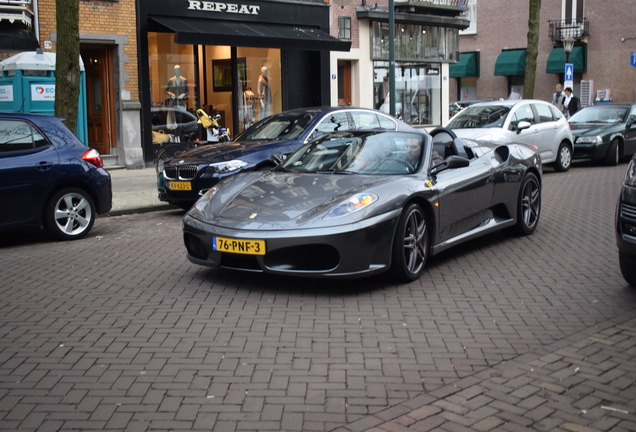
pixel 626 225
pixel 185 177
pixel 48 177
pixel 604 132
pixel 173 124
pixel 358 203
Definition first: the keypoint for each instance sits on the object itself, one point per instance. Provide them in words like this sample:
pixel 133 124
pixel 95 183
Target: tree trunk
pixel 67 70
pixel 533 49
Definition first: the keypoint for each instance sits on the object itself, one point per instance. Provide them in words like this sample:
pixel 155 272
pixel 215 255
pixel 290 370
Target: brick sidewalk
pixel 587 385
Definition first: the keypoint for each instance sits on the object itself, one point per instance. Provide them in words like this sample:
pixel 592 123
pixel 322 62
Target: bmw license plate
pixel 247 247
pixel 180 185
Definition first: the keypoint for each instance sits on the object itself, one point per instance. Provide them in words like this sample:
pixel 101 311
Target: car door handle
pixel 43 166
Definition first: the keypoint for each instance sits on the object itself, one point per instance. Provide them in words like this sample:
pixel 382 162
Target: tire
pixel 613 153
pixel 411 244
pixel 69 214
pixel 628 268
pixel 564 158
pixel 528 205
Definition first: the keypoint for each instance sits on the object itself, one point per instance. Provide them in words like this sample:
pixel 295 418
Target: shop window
pixel 172 81
pixel 418 92
pixel 415 42
pixel 344 27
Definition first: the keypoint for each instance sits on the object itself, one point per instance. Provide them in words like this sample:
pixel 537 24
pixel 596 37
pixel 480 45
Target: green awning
pixel 467 66
pixel 556 60
pixel 511 62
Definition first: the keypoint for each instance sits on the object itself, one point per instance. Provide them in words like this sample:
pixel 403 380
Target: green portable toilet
pixel 27 85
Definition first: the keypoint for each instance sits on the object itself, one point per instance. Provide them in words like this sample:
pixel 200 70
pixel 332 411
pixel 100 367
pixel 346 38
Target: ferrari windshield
pixel 475 117
pixel 286 126
pixel 600 114
pixel 381 153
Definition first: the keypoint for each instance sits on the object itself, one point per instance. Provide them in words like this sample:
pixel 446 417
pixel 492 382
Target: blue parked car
pixel 188 175
pixel 48 177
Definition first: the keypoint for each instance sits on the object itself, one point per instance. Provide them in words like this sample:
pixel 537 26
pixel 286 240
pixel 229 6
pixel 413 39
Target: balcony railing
pixel 16 10
pixel 424 3
pixel 576 29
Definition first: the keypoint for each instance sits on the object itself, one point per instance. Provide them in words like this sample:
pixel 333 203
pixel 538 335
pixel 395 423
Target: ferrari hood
pixel 279 200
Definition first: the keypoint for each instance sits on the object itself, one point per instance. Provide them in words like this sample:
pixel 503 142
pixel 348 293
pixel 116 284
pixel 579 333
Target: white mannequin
pixel 264 92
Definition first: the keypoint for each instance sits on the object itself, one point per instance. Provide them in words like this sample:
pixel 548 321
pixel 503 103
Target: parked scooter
pixel 214 132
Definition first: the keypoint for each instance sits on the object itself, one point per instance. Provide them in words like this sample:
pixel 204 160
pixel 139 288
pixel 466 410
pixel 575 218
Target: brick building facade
pixel 604 40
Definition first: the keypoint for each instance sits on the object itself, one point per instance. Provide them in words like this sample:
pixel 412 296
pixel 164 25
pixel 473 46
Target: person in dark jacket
pixel 571 104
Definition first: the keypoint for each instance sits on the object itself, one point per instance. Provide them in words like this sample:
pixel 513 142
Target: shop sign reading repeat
pixel 223 7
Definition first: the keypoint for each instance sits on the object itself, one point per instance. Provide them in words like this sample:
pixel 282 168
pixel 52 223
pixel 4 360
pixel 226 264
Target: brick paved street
pixel 120 332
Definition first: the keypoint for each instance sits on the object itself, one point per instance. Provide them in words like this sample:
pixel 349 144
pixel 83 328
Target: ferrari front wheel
pixel 410 246
pixel 529 205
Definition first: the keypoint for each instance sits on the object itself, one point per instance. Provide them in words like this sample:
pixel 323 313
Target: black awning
pixel 206 32
pixel 17 39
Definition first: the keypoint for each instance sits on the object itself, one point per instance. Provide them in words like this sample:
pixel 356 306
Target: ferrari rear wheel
pixel 410 247
pixel 529 205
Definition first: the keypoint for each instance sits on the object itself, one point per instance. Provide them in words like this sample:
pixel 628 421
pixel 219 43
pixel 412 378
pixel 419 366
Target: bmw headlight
pixel 630 176
pixel 590 140
pixel 352 205
pixel 197 211
pixel 226 167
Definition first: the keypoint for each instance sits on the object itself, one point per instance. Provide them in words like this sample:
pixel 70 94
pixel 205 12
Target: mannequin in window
pixel 177 92
pixel 264 92
pixel 177 89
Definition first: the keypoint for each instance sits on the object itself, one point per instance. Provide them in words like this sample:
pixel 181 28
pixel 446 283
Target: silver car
pixel 528 121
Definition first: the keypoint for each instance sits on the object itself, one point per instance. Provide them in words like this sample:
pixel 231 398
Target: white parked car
pixel 528 121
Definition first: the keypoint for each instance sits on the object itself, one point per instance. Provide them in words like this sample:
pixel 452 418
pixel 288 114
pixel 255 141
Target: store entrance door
pixel 344 83
pixel 98 61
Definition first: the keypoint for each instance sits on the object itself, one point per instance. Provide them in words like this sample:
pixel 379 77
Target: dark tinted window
pixel 16 135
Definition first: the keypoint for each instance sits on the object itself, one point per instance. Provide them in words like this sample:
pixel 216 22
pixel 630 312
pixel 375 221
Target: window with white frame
pixel 344 27
pixel 572 10
pixel 471 15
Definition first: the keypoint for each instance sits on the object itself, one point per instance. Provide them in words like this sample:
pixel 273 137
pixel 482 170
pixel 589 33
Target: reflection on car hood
pixel 223 152
pixel 280 200
pixel 579 129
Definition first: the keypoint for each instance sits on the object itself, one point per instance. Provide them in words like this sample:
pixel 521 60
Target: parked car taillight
pixel 92 156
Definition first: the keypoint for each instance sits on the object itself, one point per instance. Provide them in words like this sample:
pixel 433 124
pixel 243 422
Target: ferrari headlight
pixel 225 167
pixel 630 176
pixel 590 140
pixel 197 211
pixel 352 205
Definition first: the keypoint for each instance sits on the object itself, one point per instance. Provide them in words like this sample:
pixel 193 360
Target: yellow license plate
pixel 180 185
pixel 247 247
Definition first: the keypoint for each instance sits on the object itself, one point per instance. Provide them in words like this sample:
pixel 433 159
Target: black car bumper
pixel 590 151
